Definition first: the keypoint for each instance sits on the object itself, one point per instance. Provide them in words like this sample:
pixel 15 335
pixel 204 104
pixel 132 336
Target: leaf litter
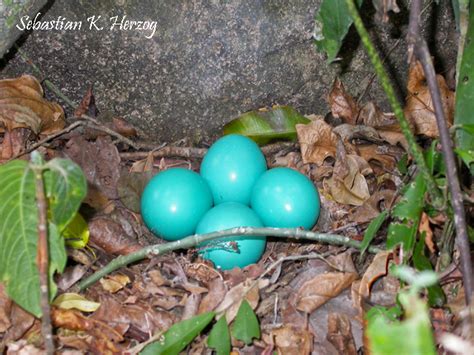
pixel 303 305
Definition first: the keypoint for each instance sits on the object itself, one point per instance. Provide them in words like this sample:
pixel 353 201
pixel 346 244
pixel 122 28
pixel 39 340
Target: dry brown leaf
pixel 100 162
pixel 123 127
pixel 347 184
pixel 384 6
pixel 217 292
pixel 419 107
pixel 342 104
pixel 376 269
pixel 109 236
pixel 373 154
pixel 291 340
pixel 114 283
pixel 87 105
pixel 340 333
pixel 5 308
pixel 425 227
pixel 317 141
pixel 191 306
pixel 22 106
pixel 232 300
pixel 371 208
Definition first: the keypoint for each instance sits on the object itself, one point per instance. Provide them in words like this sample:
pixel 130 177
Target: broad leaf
pixel 66 187
pixel 19 223
pixel 413 335
pixel 75 301
pixel 245 325
pixel 331 25
pixel 219 338
pixel 465 89
pixel 266 126
pixel 179 335
pixel 466 156
pixel 371 231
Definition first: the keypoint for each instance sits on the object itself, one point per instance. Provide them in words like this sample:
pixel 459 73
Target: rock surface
pixel 207 61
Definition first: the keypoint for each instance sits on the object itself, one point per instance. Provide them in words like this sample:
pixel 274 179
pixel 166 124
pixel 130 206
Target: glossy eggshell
pixel 173 203
pixel 223 254
pixel 285 198
pixel 231 167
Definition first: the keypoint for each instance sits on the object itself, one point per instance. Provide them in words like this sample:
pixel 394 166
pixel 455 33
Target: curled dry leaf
pixel 109 236
pixel 291 340
pixel 87 105
pixel 424 226
pixel 100 162
pixel 317 141
pixel 318 290
pixel 217 292
pixel 373 154
pixel 376 269
pixel 22 106
pixel 340 333
pixel 347 184
pixel 419 107
pixel 371 208
pixel 114 283
pixel 342 104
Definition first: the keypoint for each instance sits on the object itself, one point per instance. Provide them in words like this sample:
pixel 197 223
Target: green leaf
pixel 331 25
pixel 402 164
pixel 413 335
pixel 245 326
pixel 371 231
pixel 179 335
pixel 75 301
pixel 266 126
pixel 436 296
pixel 219 338
pixel 469 128
pixel 401 233
pixel 19 223
pixel 465 89
pixel 466 156
pixel 412 202
pixel 76 233
pixel 66 187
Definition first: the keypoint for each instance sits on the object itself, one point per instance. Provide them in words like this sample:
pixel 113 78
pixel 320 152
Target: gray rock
pixel 208 61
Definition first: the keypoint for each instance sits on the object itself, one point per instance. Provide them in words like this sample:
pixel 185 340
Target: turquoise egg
pixel 235 251
pixel 231 167
pixel 285 198
pixel 173 203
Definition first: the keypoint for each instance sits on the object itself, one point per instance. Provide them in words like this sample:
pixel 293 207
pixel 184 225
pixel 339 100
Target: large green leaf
pixel 179 336
pixel 19 222
pixel 219 338
pixel 413 335
pixel 331 24
pixel 245 325
pixel 465 90
pixel 266 126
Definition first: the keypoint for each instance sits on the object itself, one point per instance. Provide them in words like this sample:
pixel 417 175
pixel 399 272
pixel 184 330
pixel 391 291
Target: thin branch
pixel 462 241
pixel 415 151
pixel 43 260
pixel 194 240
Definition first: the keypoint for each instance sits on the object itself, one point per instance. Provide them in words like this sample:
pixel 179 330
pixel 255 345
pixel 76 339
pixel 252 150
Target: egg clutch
pixel 234 189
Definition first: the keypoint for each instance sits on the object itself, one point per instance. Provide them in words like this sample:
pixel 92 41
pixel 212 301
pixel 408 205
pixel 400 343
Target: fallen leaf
pixel 350 133
pixel 376 269
pixel 99 160
pixel 383 7
pixel 14 142
pixel 375 156
pixel 109 236
pixel 372 207
pixel 342 104
pixel 75 301
pixel 123 127
pixel 317 141
pixel 347 184
pixel 191 306
pixel 70 276
pixel 87 105
pixel 5 309
pixel 22 347
pixel 22 106
pixel 340 333
pixel 319 289
pixel 130 188
pixel 419 106
pixel 217 292
pixel 424 226
pixel 114 283
pixel 291 340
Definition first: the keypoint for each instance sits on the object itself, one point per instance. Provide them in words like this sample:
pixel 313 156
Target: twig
pixel 197 153
pixel 462 240
pixel 42 256
pixel 49 138
pixel 194 240
pixel 415 151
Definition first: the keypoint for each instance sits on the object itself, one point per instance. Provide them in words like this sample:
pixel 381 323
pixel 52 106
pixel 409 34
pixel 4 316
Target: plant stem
pixel 423 54
pixel 415 151
pixel 43 261
pixel 194 240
